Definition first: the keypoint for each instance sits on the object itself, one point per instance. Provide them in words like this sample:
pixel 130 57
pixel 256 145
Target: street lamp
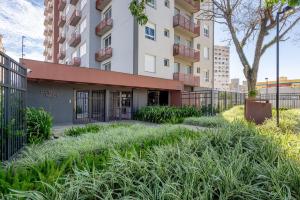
pixel 267 88
pixel 284 11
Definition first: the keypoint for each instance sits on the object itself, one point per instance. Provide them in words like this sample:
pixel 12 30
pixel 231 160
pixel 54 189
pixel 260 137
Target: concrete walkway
pixel 59 130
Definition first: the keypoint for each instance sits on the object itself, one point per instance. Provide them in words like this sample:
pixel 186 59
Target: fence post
pixel 212 101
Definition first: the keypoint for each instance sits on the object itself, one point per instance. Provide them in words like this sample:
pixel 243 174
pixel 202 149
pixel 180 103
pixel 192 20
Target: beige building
pixel 221 68
pixel 235 86
pixel 1 44
pixel 101 34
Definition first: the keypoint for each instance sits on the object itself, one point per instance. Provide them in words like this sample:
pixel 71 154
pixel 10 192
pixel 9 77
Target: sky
pixel 25 17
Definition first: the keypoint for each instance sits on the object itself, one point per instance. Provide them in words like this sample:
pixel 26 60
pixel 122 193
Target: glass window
pixel 107 41
pixel 188 70
pixel 207 76
pixel 167 3
pixel 176 11
pixel 177 39
pixel 107 14
pixel 150 31
pixel 167 33
pixel 82 50
pixel 151 3
pixel 176 67
pixel 206 30
pixel 83 26
pixel 198 70
pixel 150 63
pixel 107 66
pixel 166 62
pixel 82 4
pixel 206 52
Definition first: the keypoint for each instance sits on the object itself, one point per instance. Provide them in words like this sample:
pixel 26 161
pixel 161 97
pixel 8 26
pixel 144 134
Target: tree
pixel 248 22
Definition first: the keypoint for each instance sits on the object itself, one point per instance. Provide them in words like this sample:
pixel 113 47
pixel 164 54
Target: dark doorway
pixel 158 98
pixel 121 105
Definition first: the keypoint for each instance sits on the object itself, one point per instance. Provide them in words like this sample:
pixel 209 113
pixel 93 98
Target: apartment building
pixel 174 48
pixel 1 44
pixel 221 68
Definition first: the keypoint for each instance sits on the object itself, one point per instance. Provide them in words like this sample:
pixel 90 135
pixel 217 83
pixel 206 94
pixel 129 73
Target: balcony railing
pixel 74 2
pixel 45 32
pixel 104 54
pixel 75 39
pixel 62 20
pixel 49 57
pixel 186 53
pixel 49 31
pixel 61 38
pixel 187 79
pixel 75 18
pixel 50 19
pixel 104 26
pixel 61 55
pixel 49 44
pixel 185 25
pixel 189 5
pixel 62 4
pixel 45 21
pixel 101 4
pixel 45 42
pixel 75 61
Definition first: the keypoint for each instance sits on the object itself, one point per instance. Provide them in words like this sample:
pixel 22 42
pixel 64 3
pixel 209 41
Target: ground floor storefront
pixel 75 95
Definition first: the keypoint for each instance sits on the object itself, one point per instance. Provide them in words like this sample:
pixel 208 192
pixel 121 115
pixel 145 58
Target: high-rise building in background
pixel 235 86
pixel 103 34
pixel 222 68
pixel 1 44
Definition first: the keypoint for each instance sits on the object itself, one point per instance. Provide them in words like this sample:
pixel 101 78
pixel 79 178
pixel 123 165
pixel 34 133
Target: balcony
pixel 62 4
pixel 49 57
pixel 186 53
pixel 45 52
pixel 74 2
pixel 75 61
pixel 61 38
pixel 45 42
pixel 49 31
pixel 45 21
pixel 61 55
pixel 186 26
pixel 75 18
pixel 104 26
pixel 49 44
pixel 103 54
pixel 187 79
pixel 75 39
pixel 189 5
pixel 61 21
pixel 101 4
pixel 50 19
pixel 45 32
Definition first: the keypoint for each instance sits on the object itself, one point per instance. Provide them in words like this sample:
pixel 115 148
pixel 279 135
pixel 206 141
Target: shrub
pixel 39 124
pixel 166 114
pixel 209 122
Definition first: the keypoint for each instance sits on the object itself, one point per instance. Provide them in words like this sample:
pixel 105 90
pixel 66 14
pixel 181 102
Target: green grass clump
pixel 236 162
pixel 166 114
pixel 92 128
pixel 210 122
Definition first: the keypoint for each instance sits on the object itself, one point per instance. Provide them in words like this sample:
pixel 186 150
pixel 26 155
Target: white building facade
pixel 222 68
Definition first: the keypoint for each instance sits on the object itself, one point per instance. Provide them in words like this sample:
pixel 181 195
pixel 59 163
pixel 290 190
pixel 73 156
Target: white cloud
pixel 21 17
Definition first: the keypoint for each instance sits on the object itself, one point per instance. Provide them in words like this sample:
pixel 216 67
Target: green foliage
pixel 166 114
pixel 92 128
pixel 252 93
pixel 210 122
pixel 39 124
pixel 137 9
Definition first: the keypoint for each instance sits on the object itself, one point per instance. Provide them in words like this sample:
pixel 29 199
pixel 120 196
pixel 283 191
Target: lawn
pixel 236 160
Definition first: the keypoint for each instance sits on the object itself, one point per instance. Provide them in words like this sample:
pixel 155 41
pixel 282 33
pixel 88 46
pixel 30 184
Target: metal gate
pixel 13 84
pixel 120 105
pixel 89 106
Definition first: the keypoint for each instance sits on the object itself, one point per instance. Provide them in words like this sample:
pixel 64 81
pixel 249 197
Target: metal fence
pixel 212 100
pixel 286 100
pixel 13 84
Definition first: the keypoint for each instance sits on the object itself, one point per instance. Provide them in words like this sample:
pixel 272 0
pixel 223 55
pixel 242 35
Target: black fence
pixel 286 100
pixel 13 84
pixel 213 101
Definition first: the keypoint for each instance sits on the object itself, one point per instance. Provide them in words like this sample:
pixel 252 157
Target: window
pixel 198 46
pixel 167 33
pixel 67 10
pixel 177 39
pixel 166 62
pixel 206 30
pixel 176 11
pixel 206 76
pixel 107 66
pixel 167 3
pixel 188 70
pixel 149 63
pixel 176 67
pixel 150 31
pixel 206 52
pixel 74 54
pixel 151 3
pixel 189 44
pixel 198 70
pixel 82 4
pixel 82 50
pixel 107 41
pixel 83 26
pixel 107 14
